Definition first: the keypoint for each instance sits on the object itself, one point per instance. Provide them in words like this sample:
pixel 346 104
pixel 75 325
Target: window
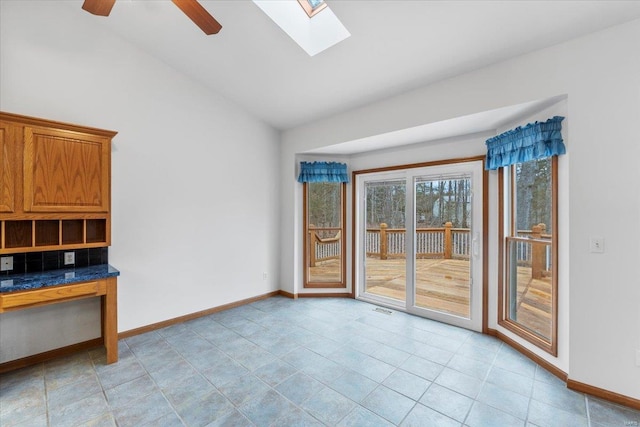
pixel 324 243
pixel 311 7
pixel 529 251
pixel 313 34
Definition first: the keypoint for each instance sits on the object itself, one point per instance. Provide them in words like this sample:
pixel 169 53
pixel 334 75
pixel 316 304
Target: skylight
pixel 312 6
pixel 313 35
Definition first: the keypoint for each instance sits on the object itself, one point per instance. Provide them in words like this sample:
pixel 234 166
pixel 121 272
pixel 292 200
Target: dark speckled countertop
pixel 26 281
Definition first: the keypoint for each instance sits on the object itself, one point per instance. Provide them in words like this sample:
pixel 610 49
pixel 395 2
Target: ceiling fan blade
pixel 199 16
pixel 98 7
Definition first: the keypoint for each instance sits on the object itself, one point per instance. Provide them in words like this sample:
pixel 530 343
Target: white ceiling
pixel 395 46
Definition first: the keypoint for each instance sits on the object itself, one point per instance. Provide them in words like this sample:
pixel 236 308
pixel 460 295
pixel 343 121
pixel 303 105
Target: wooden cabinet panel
pixel 65 171
pixel 44 296
pixel 8 172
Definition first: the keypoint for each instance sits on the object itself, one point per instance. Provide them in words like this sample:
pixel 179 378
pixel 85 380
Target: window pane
pixel 324 232
pixel 324 204
pixel 533 195
pixel 529 286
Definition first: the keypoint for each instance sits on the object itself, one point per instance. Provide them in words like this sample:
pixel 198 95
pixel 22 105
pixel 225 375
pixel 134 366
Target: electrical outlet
pixel 638 358
pixel 596 245
pixel 264 276
pixel 6 263
pixel 69 258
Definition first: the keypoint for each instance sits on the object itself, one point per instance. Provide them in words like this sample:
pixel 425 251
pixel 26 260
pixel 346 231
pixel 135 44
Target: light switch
pixel 596 245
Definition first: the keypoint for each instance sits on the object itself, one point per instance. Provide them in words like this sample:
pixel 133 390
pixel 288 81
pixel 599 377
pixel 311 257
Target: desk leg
pixel 110 320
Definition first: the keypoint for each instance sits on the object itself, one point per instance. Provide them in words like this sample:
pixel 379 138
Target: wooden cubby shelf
pixel 49 234
pixel 96 230
pixel 17 234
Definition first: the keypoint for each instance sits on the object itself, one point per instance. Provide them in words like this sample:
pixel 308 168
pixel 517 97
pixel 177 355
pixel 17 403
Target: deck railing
pixel 455 243
pixel 533 247
pixel 533 250
pixel 324 249
pixel 438 242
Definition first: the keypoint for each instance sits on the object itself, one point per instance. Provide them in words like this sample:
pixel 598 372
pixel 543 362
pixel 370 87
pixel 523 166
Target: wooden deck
pixel 534 303
pixel 443 285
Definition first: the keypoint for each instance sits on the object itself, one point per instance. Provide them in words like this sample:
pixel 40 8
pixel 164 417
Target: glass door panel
pixel 385 271
pixel 443 244
pixel 447 231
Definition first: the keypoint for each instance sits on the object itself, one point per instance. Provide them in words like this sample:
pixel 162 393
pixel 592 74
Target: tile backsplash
pixel 34 262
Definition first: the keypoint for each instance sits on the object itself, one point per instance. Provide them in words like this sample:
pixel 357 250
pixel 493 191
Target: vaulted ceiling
pixel 395 46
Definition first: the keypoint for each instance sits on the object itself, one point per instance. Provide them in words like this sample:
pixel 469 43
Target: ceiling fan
pixel 191 8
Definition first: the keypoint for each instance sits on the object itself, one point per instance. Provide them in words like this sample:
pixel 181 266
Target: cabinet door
pixel 8 167
pixel 65 171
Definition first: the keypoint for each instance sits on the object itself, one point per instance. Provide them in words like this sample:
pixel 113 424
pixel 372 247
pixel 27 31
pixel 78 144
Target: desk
pixel 18 292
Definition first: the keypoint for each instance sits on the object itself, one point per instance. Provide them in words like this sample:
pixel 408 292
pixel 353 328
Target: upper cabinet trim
pixel 33 121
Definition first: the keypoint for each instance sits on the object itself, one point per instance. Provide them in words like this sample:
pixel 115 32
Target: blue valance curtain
pixel 533 141
pixel 323 172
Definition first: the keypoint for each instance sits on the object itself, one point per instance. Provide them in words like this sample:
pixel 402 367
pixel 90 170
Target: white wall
pixel 194 178
pixel 600 74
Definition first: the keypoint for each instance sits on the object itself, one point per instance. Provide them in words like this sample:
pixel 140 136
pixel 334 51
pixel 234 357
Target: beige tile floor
pixel 309 362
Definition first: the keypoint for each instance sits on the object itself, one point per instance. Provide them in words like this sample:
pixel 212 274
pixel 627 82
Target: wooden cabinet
pixel 8 168
pixel 55 185
pixel 65 171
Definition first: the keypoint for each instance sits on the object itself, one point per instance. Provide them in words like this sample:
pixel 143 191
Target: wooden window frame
pixel 342 283
pixel 551 346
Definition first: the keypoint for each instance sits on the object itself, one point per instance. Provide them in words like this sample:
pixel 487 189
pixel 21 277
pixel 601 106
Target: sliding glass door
pixel 418 246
